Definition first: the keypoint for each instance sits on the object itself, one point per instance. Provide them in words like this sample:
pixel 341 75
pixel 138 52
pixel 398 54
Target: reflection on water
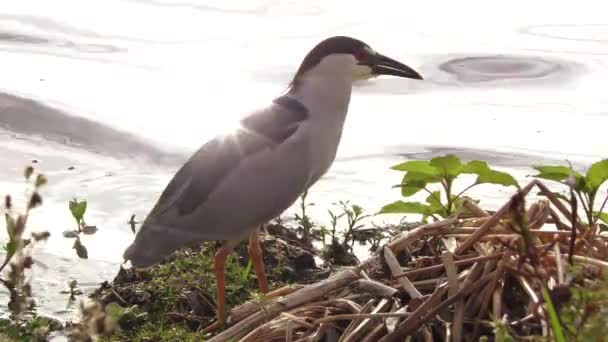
pixel 124 90
pixel 491 68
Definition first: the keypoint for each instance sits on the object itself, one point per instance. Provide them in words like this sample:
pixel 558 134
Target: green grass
pixel 167 283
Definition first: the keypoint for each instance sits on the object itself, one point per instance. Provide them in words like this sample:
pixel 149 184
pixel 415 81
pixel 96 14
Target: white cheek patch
pixel 362 72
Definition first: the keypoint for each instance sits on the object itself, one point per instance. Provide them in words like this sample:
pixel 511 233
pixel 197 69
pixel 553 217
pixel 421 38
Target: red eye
pixel 361 55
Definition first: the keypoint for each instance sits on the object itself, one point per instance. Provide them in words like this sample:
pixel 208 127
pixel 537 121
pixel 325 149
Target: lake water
pixel 125 90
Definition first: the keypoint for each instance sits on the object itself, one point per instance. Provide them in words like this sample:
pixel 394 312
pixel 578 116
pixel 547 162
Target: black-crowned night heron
pixel 237 182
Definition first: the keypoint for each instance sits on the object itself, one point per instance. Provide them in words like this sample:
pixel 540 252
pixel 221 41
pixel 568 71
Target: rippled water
pixel 124 91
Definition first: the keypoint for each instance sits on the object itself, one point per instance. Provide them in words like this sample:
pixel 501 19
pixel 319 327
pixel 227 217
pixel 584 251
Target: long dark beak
pixel 383 65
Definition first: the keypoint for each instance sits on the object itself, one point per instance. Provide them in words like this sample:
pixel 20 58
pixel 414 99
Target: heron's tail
pixel 153 243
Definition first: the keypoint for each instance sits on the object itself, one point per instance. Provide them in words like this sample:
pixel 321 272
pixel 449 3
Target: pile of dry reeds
pixel 442 281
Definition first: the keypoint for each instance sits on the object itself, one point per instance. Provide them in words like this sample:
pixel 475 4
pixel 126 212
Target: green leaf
pixel 413 182
pixel 597 174
pixel 553 318
pixel 555 172
pixel 477 167
pixel 10 225
pixel 418 166
pixel 400 207
pixel 78 209
pixel 11 249
pixel 434 199
pixel 602 216
pixel 449 165
pixel 435 205
pixel 497 177
pixel 114 310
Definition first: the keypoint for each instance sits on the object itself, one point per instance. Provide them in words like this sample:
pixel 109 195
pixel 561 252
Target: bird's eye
pixel 361 55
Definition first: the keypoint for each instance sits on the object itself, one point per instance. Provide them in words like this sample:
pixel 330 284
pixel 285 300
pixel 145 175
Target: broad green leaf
pixel 435 206
pixel 114 310
pixel 449 165
pixel 413 182
pixel 418 166
pixel 497 177
pixel 477 167
pixel 400 207
pixel 555 172
pixel 603 216
pixel 597 174
pixel 11 249
pixel 78 209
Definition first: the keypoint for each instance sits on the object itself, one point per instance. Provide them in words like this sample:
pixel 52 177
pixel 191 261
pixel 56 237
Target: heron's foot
pixel 217 325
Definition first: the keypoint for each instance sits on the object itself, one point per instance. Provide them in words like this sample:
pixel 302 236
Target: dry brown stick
pixel 289 332
pixel 395 268
pixel 556 202
pixel 360 316
pixel 415 316
pixel 368 307
pixel 248 308
pixel 375 334
pixel 474 208
pixel 416 234
pixel 412 323
pixel 463 262
pixel 493 220
pixel 490 290
pixel 375 288
pixel 458 316
pixel 367 323
pixel 276 306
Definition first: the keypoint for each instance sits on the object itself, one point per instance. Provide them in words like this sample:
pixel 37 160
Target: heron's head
pixel 341 54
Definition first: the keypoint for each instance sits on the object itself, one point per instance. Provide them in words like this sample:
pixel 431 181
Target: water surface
pixel 110 97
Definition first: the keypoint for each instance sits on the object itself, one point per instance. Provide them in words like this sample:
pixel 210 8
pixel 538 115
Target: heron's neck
pixel 325 90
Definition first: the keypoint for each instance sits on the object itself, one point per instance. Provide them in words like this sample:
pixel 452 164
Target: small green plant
pixel 18 250
pixel 78 209
pixel 585 186
pixel 72 292
pixel 354 215
pixel 443 170
pixel 306 224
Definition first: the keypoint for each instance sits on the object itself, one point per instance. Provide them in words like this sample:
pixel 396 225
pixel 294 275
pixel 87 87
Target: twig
pixel 375 288
pixel 463 262
pixel 458 316
pixel 360 316
pixel 366 324
pixel 574 206
pixel 493 220
pixel 416 319
pixel 393 264
pixel 274 307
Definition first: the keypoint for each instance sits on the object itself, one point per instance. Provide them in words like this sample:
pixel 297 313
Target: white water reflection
pixel 125 90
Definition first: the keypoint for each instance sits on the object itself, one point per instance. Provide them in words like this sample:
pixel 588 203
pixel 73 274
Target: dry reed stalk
pixel 494 219
pixel 464 262
pixel 367 324
pixel 276 306
pixel 395 268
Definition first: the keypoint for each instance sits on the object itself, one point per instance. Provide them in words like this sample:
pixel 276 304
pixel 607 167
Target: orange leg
pixel 220 281
pixel 255 253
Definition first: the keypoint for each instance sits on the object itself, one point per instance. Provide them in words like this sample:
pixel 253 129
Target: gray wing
pixel 262 130
pixel 229 184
